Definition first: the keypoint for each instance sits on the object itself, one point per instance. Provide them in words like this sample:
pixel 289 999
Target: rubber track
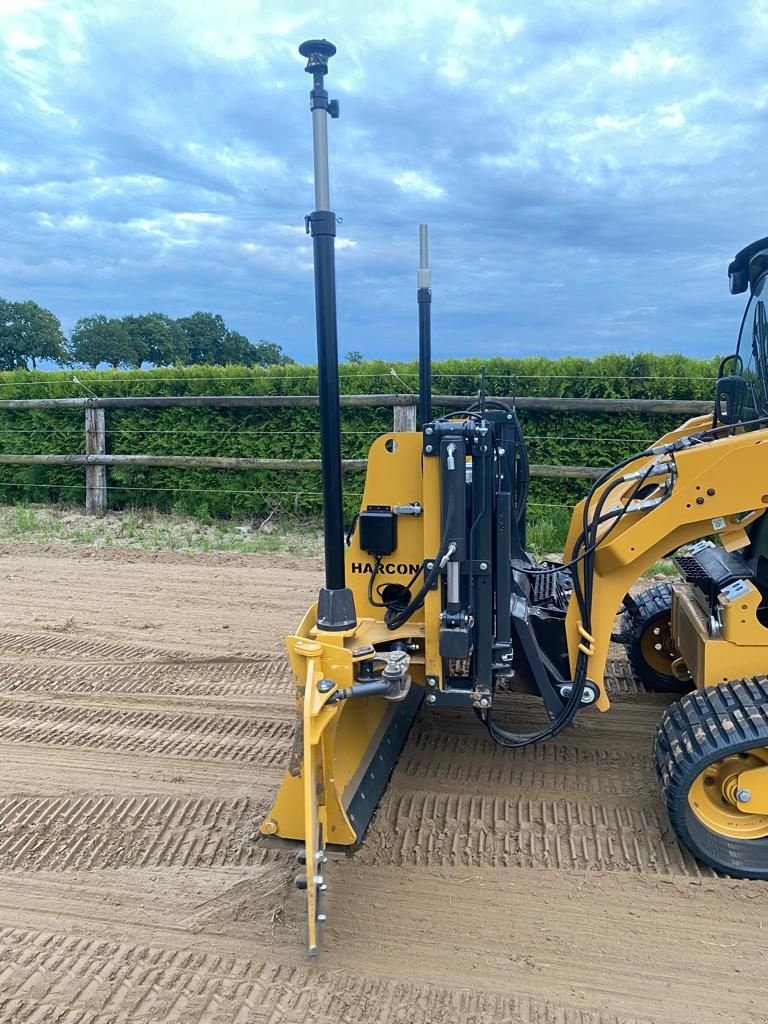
pixel 47 977
pixel 704 722
pixel 446 830
pixel 138 831
pixel 242 738
pixel 619 678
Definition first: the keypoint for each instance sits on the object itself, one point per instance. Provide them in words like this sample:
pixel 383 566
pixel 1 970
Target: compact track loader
pixel 437 601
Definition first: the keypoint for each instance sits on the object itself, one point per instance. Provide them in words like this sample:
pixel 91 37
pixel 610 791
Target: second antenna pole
pixel 424 298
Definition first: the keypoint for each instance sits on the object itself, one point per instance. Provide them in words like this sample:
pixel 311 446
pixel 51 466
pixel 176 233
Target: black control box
pixel 378 530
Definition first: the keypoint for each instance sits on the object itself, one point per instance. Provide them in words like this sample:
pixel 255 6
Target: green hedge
pixel 556 438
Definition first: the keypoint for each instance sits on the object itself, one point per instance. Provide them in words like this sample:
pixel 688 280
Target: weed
pixel 26 520
pixel 546 532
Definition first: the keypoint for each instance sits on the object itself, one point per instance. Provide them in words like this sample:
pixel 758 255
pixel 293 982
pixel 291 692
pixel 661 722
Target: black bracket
pixel 321 222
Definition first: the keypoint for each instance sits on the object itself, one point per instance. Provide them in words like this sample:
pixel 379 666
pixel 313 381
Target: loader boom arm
pixel 718 487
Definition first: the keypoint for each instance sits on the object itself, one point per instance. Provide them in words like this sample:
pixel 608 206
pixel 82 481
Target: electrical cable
pixel 395 617
pixel 583 596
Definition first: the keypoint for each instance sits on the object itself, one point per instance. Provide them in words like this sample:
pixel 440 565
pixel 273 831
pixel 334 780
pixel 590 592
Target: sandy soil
pixel 145 720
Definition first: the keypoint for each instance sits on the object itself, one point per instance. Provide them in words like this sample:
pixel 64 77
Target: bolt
pixel 430 565
pixel 269 828
pixel 321 918
pixel 743 796
pixel 429 430
pixel 711 492
pixel 324 685
pixel 431 698
pixel 509 415
pixel 699 501
pixel 431 681
pixel 320 857
pixel 483 566
pixel 484 702
pixel 323 887
pixel 428 449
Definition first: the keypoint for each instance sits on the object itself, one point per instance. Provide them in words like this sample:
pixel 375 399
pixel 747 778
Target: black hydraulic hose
pixel 575 560
pixel 584 600
pixel 396 617
pixel 374 688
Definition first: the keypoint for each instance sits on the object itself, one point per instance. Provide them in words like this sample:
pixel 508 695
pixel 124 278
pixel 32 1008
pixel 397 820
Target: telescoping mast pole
pixel 336 606
pixel 424 298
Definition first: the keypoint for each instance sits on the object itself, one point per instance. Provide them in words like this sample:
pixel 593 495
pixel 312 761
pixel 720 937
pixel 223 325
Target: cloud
pixel 586 173
pixel 418 184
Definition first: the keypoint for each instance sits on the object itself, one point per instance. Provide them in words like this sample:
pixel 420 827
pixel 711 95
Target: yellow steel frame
pixel 337 741
pixel 720 487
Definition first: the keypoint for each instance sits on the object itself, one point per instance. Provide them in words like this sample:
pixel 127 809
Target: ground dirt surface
pixel 145 721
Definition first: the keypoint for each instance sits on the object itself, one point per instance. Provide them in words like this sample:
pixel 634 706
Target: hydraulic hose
pixel 583 595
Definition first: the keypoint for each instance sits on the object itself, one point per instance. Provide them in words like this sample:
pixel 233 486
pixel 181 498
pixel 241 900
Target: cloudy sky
pixel 587 170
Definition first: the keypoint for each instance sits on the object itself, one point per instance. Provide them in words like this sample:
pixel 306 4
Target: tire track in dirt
pixel 239 738
pixel 575 763
pixel 62 645
pixel 134 776
pixel 671 948
pixel 430 829
pixel 44 771
pixel 268 676
pixel 80 980
pixel 129 831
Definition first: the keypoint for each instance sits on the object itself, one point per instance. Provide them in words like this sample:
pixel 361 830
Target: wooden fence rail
pixel 216 462
pixel 96 460
pixel 672 406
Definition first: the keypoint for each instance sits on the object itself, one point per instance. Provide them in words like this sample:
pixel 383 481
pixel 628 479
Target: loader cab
pixel 748 266
pixel 752 345
pixel 741 393
pixel 749 273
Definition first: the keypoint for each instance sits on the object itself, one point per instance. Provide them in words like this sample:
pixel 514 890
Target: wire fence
pixel 237 429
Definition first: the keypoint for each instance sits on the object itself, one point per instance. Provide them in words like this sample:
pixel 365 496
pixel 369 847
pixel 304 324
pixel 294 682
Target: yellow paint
pixel 713 795
pixel 755 780
pixel 339 738
pixel 720 487
pixel 739 651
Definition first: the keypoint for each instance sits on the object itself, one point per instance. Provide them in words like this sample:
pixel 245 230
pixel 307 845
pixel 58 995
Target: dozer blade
pixel 346 753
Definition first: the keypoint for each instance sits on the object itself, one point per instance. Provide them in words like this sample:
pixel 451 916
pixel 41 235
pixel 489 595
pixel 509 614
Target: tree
pixel 210 342
pixel 269 353
pixel 353 357
pixel 99 339
pixel 157 339
pixel 28 333
pixel 205 334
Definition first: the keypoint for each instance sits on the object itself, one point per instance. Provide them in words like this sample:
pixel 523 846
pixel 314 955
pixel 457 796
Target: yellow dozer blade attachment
pixel 343 756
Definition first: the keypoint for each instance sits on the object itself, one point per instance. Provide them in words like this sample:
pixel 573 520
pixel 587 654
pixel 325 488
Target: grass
pixel 148 531
pixel 546 535
pixel 142 530
pixel 546 531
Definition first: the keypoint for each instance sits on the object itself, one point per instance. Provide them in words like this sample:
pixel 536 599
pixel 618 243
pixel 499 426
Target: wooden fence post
pixel 95 476
pixel 404 418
